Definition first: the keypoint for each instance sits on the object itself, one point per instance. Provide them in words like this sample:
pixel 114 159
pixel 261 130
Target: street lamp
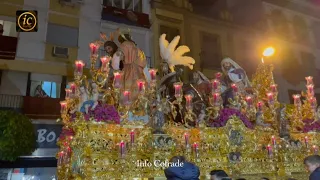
pixel 269 51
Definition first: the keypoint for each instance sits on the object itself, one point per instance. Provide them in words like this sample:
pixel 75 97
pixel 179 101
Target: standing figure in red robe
pixel 134 61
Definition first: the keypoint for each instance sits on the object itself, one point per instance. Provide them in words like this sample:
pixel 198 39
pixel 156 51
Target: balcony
pixel 8 47
pixel 125 12
pixel 33 107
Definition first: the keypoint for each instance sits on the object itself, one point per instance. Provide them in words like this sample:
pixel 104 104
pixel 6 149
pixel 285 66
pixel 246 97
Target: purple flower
pixel 310 126
pixel 103 113
pixel 225 115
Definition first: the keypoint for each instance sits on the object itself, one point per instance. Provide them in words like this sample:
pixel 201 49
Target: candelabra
pixel 178 101
pixel 189 115
pixel 249 108
pixel 236 101
pixel 309 105
pixel 215 100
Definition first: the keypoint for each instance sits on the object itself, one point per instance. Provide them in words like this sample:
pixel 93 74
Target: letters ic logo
pixel 27 21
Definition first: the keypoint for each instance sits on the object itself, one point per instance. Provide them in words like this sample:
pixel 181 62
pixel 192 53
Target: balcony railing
pixel 125 16
pixel 8 47
pixel 41 108
pixel 134 5
pixel 33 107
pixel 11 101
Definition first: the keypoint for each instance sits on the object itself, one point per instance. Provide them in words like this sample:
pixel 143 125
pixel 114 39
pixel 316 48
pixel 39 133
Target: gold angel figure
pixel 174 56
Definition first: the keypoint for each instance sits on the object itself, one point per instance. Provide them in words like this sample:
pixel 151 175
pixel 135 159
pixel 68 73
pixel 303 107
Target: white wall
pixel 146 8
pixel 14 83
pixel 31 46
pixel 284 85
pixel 89 27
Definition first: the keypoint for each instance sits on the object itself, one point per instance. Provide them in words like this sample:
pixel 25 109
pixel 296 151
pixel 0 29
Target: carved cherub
pixel 84 102
pixel 260 120
pixel 95 95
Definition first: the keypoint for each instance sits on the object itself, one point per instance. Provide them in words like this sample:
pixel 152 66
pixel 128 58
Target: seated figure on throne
pixel 233 74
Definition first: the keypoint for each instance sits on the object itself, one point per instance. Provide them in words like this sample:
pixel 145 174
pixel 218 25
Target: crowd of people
pixel 191 172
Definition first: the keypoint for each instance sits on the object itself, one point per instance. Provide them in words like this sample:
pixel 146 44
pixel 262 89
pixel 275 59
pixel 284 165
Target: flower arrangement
pixel 226 113
pixel 310 125
pixel 103 113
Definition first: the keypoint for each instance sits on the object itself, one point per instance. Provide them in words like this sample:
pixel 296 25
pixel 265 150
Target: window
pixel 280 23
pixel 171 32
pixel 9 28
pixel 45 88
pixel 211 54
pixel 300 29
pixel 63 36
pixel 134 5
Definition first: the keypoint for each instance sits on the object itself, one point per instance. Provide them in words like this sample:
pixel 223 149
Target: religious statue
pixel 260 120
pixel 284 124
pixel 94 95
pixel 134 61
pixel 201 83
pixel 88 100
pixel 110 48
pixel 233 74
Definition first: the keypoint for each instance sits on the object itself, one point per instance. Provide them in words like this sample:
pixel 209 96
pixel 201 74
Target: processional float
pixel 248 133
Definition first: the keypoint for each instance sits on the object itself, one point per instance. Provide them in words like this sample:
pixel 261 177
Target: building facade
pixel 214 29
pixel 45 58
pixel 295 27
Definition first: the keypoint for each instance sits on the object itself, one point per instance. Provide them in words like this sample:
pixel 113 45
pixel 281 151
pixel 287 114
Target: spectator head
pixel 264 178
pixel 178 159
pixel 219 175
pixel 312 162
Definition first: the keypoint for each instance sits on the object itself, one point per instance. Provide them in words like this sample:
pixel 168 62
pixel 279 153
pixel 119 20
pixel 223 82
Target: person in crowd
pixel 312 164
pixel 1 29
pixel 264 178
pixel 188 171
pixel 219 175
pixel 241 179
pixel 39 92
